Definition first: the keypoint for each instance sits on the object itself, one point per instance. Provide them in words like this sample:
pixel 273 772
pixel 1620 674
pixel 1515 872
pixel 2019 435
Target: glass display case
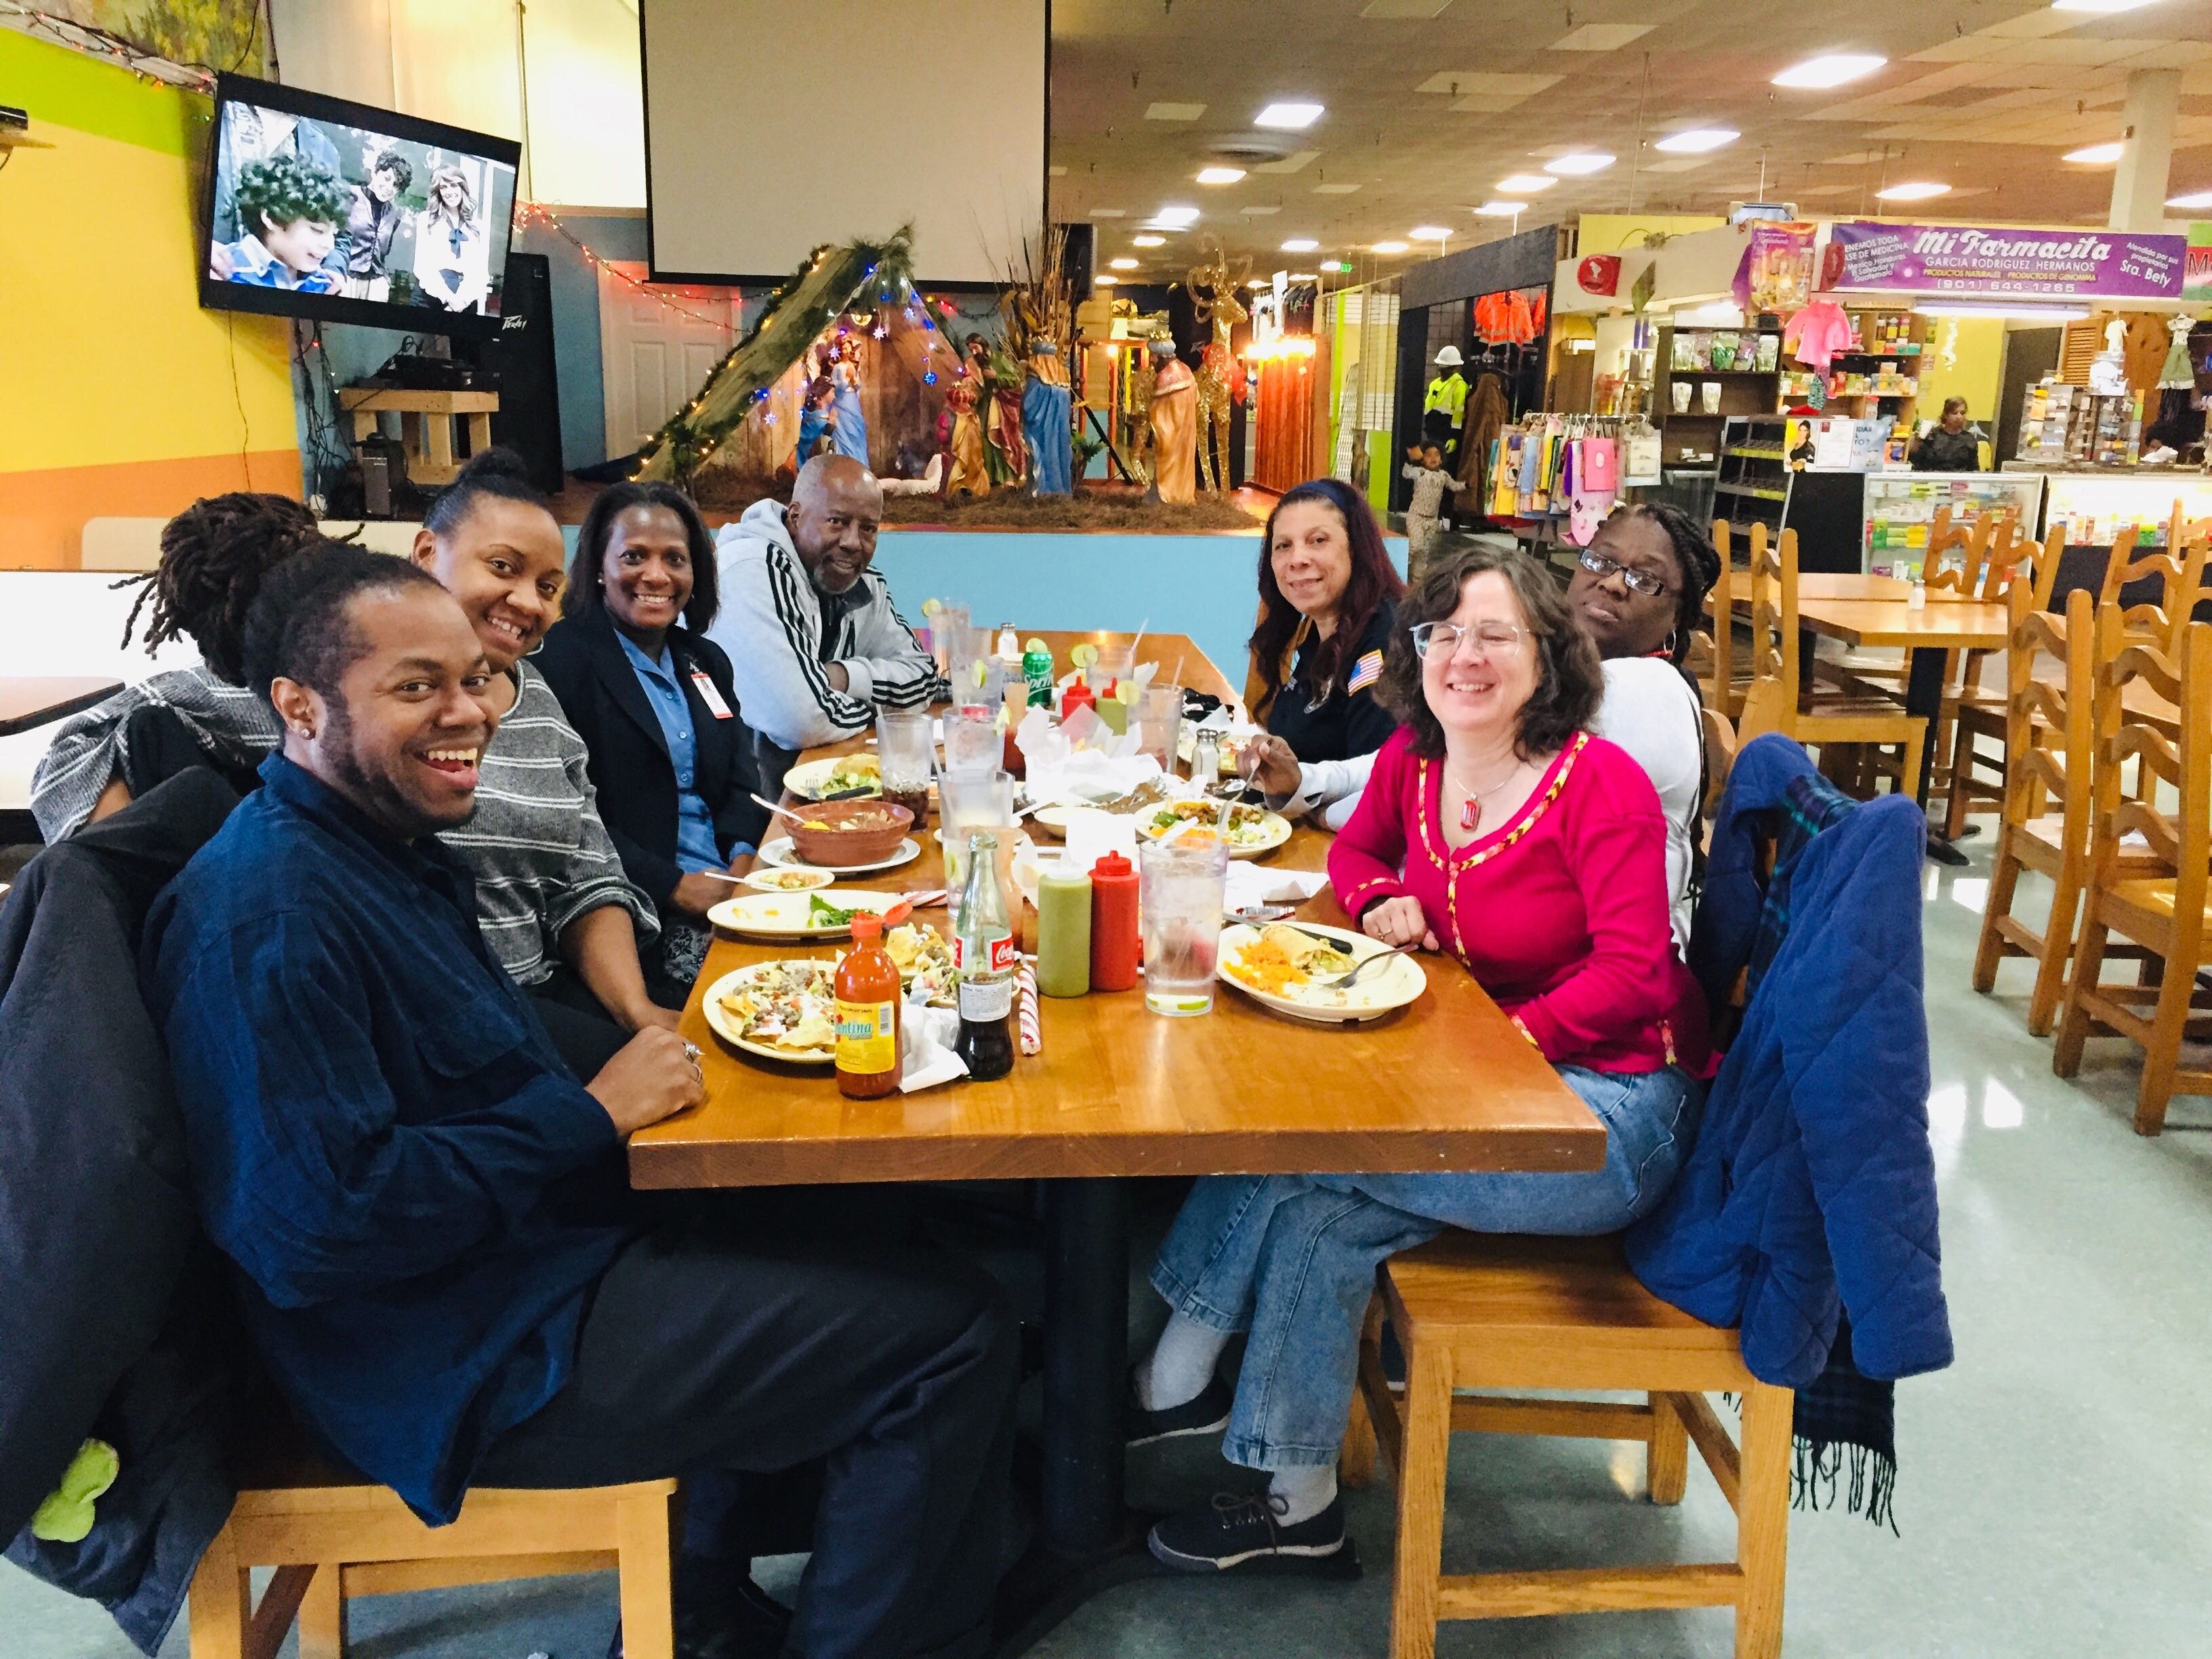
pixel 1899 506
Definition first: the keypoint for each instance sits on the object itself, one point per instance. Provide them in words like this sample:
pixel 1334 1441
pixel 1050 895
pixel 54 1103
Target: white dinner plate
pixel 780 851
pixel 1275 831
pixel 785 916
pixel 1382 992
pixel 772 879
pixel 726 1028
pixel 809 779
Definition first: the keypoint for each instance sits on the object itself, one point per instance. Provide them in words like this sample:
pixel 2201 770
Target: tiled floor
pixel 2052 1496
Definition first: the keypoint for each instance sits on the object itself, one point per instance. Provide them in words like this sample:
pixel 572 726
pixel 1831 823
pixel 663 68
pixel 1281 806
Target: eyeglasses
pixel 1601 567
pixel 1490 639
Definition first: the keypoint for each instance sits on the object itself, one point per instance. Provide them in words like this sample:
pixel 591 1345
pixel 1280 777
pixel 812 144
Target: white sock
pixel 1301 1493
pixel 1182 1364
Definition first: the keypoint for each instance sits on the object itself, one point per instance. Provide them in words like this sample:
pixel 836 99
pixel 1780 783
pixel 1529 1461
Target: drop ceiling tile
pixel 1109 213
pixel 1602 36
pixel 1335 190
pixel 1490 106
pixel 2091 52
pixel 1965 49
pixel 1484 80
pixel 2031 26
pixel 1403 7
pixel 1174 112
pixel 1680 164
pixel 1290 163
pixel 1257 211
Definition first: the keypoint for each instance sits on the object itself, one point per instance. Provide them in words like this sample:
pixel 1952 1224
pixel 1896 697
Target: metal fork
pixel 1361 968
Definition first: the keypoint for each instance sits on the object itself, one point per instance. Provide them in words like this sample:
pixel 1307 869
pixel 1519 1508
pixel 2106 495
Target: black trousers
pixel 758 1340
pixel 582 1030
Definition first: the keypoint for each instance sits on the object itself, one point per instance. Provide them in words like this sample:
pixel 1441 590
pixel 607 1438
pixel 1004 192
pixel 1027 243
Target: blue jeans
pixel 1292 1258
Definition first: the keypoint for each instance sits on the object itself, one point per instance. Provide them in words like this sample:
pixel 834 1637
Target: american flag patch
pixel 1365 673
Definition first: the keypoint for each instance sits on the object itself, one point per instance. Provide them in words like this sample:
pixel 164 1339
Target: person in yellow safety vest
pixel 1445 406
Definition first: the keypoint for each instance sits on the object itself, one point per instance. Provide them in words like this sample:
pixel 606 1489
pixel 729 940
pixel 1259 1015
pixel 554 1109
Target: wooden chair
pixel 1723 690
pixel 1721 745
pixel 2165 913
pixel 1970 712
pixel 1476 1312
pixel 1776 702
pixel 2049 736
pixel 331 1537
pixel 1884 672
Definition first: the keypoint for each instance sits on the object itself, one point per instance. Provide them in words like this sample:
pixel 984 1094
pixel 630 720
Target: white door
pixel 653 358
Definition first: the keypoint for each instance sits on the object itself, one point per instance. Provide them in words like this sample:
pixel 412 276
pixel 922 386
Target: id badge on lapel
pixel 711 696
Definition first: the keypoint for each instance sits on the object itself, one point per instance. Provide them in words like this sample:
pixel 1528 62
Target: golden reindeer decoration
pixel 1212 285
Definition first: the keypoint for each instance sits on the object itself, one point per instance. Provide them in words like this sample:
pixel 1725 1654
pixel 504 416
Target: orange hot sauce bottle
pixel 867 1014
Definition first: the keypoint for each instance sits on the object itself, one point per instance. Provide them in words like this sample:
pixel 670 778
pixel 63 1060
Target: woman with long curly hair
pixel 453 259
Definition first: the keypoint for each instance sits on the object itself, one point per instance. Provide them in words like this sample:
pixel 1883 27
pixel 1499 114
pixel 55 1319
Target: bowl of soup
pixel 838 835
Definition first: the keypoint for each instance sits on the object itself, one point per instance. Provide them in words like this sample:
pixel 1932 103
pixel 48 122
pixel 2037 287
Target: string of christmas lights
pixel 536 213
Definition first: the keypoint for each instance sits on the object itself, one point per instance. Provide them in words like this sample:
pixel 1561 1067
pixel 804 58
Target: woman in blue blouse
pixel 652 696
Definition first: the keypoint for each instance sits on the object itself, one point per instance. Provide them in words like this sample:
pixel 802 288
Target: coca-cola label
pixel 1000 958
pixel 984 1000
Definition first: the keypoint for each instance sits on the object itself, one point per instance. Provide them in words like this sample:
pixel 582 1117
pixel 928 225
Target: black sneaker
pixel 743 1622
pixel 1244 1532
pixel 1206 1413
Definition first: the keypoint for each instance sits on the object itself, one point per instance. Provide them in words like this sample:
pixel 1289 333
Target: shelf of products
pixel 2095 506
pixel 1705 378
pixel 2062 424
pixel 1900 506
pixel 1751 481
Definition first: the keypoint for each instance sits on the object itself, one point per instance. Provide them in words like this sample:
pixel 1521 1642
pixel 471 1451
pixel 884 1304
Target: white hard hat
pixel 1449 357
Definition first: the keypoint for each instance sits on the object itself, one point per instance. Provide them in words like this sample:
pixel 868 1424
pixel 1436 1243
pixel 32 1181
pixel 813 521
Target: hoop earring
pixel 1674 640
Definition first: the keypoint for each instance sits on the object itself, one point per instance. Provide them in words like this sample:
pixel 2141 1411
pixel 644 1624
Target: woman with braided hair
pixel 1638 589
pixel 213 556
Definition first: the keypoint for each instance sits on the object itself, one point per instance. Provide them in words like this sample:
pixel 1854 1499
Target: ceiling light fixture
pixel 2097 155
pixel 1219 175
pixel 1300 244
pixel 1334 265
pixel 1289 116
pixel 1523 184
pixel 1833 69
pixel 1305 277
pixel 1148 241
pixel 1389 247
pixel 1580 164
pixel 1176 218
pixel 1102 280
pixel 1696 141
pixel 1429 232
pixel 2198 199
pixel 1502 209
pixel 1918 191
pixel 1123 265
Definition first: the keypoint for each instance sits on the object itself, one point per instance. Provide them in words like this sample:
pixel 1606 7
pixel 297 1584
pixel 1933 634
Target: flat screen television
pixel 335 211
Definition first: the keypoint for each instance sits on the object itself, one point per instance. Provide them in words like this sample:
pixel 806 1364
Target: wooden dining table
pixel 1447 1084
pixel 29 700
pixel 1862 611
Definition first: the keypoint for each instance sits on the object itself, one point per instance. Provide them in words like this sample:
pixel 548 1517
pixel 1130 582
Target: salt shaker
pixel 1205 757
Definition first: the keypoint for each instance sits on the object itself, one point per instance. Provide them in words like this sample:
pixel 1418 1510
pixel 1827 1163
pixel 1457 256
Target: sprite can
pixel 1036 669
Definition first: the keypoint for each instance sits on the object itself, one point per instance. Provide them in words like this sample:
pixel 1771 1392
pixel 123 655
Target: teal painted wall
pixel 1200 586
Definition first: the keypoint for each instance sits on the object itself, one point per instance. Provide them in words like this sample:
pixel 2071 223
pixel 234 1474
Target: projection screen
pixel 774 125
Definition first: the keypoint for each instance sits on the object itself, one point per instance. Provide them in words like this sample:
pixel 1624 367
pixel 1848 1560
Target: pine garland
pixel 831 280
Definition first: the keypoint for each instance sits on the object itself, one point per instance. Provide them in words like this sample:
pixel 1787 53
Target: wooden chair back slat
pixel 2050 735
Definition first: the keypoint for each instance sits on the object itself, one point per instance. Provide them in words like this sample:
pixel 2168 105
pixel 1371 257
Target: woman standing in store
pixel 654 699
pixel 1952 445
pixel 1328 596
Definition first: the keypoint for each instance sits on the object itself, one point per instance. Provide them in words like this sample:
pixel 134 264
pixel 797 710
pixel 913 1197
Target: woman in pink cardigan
pixel 1495 828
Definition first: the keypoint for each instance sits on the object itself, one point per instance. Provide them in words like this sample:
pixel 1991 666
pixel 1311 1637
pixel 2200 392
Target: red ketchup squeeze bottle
pixel 1115 948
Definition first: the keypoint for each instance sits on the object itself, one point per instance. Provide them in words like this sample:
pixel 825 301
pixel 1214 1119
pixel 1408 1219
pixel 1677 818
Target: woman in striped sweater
pixel 552 901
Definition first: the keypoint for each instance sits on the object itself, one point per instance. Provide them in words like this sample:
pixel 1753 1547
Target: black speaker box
pixel 519 363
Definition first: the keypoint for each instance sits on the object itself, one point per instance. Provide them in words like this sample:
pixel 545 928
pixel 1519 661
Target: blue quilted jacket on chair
pixel 1811 1192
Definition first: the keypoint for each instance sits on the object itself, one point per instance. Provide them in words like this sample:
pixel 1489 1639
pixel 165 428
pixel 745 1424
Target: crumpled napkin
pixel 925 1038
pixel 1084 775
pixel 1252 883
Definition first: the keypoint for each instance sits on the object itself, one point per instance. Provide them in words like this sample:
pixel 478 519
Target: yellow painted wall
pixel 121 395
pixel 1978 371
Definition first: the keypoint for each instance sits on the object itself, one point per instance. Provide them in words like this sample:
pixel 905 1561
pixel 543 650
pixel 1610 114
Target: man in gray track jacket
pixel 814 642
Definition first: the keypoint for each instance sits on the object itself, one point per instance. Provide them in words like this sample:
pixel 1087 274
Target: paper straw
pixel 1025 1001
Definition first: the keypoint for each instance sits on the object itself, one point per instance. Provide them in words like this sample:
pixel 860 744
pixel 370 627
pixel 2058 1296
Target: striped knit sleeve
pixel 593 876
pixel 84 755
pixel 768 631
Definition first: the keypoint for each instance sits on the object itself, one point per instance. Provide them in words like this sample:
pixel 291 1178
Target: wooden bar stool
pixel 331 1537
pixel 1487 1312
